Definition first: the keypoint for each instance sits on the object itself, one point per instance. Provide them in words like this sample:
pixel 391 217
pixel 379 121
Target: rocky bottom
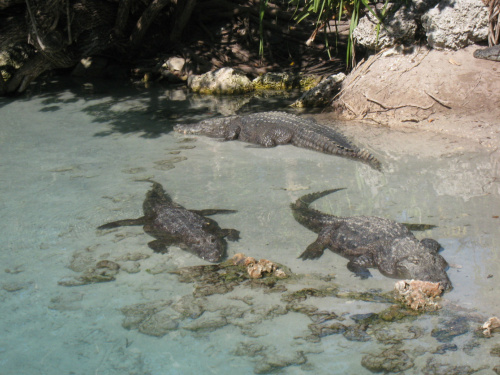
pixel 245 294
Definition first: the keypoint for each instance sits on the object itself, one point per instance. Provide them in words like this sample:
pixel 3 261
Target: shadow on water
pixel 150 110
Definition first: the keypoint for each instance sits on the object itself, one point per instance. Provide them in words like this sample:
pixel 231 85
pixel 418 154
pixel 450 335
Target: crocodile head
pixel 216 127
pixel 209 247
pixel 423 263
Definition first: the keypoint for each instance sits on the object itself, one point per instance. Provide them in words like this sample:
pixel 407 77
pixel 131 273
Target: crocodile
pixel 371 242
pixel 270 129
pixel 490 53
pixel 172 224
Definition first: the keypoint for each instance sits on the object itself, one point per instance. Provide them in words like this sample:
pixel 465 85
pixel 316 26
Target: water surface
pixel 69 161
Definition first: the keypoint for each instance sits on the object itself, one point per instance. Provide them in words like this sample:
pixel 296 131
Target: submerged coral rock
pixel 491 324
pixel 418 294
pixel 257 269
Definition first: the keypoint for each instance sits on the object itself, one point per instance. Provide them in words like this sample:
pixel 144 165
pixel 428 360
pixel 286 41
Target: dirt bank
pixel 447 92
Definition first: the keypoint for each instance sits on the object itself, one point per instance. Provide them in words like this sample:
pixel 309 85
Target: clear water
pixel 69 159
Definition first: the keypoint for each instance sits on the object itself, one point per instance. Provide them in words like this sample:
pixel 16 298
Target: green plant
pixel 326 10
pixel 262 10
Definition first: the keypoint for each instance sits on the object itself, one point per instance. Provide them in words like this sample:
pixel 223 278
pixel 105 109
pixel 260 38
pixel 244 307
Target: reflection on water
pixel 69 161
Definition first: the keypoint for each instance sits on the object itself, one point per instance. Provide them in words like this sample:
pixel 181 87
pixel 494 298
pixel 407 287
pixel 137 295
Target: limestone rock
pixel 399 27
pixel 455 24
pixel 222 81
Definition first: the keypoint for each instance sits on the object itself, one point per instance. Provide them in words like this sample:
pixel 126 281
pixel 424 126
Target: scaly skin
pixel 270 129
pixel 490 53
pixel 172 224
pixel 371 242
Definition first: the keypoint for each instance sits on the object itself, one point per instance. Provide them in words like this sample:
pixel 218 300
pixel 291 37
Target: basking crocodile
pixel 371 242
pixel 490 53
pixel 270 129
pixel 172 224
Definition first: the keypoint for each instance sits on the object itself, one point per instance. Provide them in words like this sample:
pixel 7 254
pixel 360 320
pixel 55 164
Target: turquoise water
pixel 69 161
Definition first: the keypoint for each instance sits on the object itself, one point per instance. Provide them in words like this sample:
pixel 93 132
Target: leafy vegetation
pixel 324 11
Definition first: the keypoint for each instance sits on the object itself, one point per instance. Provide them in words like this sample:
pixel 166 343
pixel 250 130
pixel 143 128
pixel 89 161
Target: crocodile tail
pixel 308 217
pixel 370 159
pixel 304 201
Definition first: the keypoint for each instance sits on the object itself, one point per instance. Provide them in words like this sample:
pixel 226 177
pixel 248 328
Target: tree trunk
pixel 145 21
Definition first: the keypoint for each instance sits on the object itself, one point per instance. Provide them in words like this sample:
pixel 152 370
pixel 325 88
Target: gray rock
pixel 455 24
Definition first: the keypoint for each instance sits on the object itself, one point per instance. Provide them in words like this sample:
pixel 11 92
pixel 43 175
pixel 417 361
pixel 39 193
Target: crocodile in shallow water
pixel 172 224
pixel 371 242
pixel 490 53
pixel 270 129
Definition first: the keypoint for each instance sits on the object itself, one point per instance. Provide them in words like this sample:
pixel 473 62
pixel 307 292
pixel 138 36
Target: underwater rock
pixel 190 307
pixel 159 324
pixel 449 330
pixel 397 312
pixel 495 351
pixel 207 323
pixel 222 278
pixel 322 330
pixel 273 363
pixel 131 267
pixel 104 271
pixel 434 368
pixel 418 294
pixel 302 294
pixel 391 334
pixel 496 369
pixel 320 317
pixel 302 308
pixel 138 313
pixel 357 333
pixel 249 349
pixel 470 345
pixel 364 318
pixel 15 270
pixel 491 325
pixel 15 286
pixel 133 257
pixel 390 360
pixel 442 349
pixel 69 302
pixel 267 358
pixel 108 264
pixel 82 260
pixel 372 295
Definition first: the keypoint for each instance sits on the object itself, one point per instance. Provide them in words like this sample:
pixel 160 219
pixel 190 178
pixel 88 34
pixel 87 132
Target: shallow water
pixel 69 159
